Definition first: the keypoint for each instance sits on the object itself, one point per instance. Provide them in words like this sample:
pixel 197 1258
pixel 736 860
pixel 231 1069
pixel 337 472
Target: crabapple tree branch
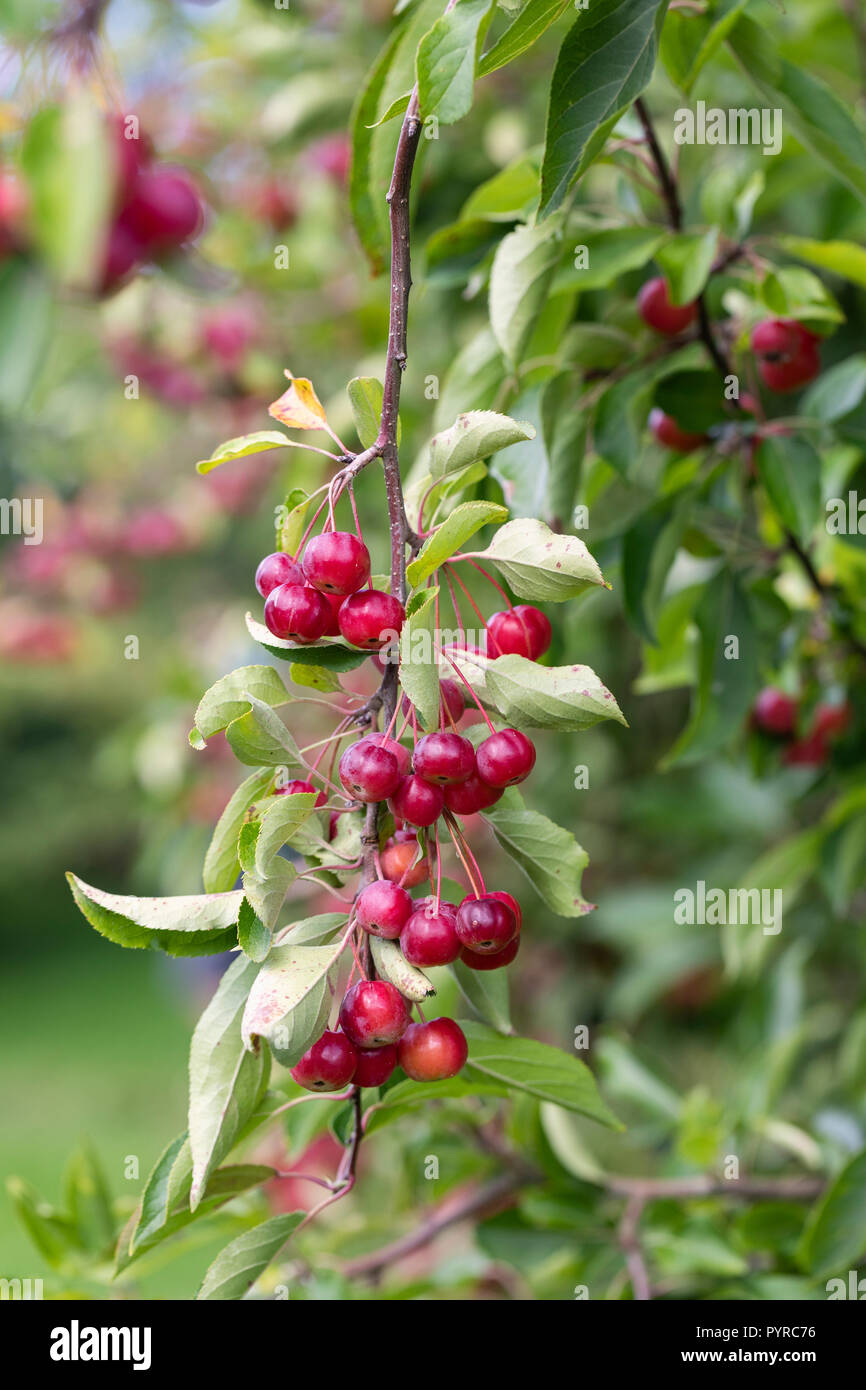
pixel 670 194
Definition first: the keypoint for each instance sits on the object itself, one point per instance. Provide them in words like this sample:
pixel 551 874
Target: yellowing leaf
pixel 299 407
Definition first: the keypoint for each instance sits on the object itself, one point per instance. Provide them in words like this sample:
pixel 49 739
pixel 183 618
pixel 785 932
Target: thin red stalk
pixel 476 610
pixel 458 615
pixel 489 577
pixel 468 687
pixel 438 868
pixel 460 856
pixel 465 843
pixel 318 512
pixel 308 1177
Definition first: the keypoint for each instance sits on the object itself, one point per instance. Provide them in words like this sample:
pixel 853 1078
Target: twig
pixel 671 197
pixel 483 1201
pixel 628 1234
pixel 649 1189
pixel 501 1192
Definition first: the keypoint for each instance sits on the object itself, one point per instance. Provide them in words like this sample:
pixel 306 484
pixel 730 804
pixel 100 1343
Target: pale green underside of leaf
pixel 228 699
pixel 454 532
pixel 221 865
pixel 538 1069
pixel 446 60
pixel 542 565
pixel 244 444
pixel 548 855
pixel 237 1267
pixel 226 1082
pixel 288 997
pixel 486 991
pixel 520 279
pixel 330 656
pixel 569 698
pixel 419 676
pixel 474 435
pixel 182 926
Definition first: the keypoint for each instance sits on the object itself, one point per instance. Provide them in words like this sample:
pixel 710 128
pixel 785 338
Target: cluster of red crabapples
pixel 786 353
pixel 156 208
pixel 321 593
pixel 777 715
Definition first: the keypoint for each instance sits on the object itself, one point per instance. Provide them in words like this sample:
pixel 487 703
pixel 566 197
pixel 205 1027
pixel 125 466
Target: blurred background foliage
pixel 705 1043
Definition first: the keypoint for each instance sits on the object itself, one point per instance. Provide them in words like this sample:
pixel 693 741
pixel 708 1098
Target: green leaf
pixel 315 931
pixel 254 938
pixel 472 380
pixel 330 656
pixel 238 1266
pixel 610 253
pixel 523 1064
pixel 229 698
pixel 407 1096
pixel 27 303
pixel 786 867
pixel 474 435
pixel 392 74
pixel 812 111
pixel 712 30
pixel 541 565
pixel 167 1184
pixel 315 678
pixel 226 1082
pixel 365 397
pixel 835 1234
pixel 447 539
pixel 53 1233
pixel 694 397
pixel 837 391
pixel 649 548
pixel 790 469
pixel 292 520
pixel 605 62
pixel 620 420
pixel 200 925
pixel 446 60
pixel 164 1213
pixel 520 279
pixel 419 667
pixel 67 160
pixel 452 252
pixel 486 991
pixel 629 1080
pixel 531 696
pixel 290 999
pixel 539 477
pixel 278 824
pixel 549 856
pixel 266 895
pixel 793 292
pixel 88 1200
pixel 727 682
pixel 534 18
pixel 843 258
pixel 686 259
pixel 221 864
pixel 508 196
pixel 260 737
pixel 621 413
pixel 398 107
pixel 244 444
